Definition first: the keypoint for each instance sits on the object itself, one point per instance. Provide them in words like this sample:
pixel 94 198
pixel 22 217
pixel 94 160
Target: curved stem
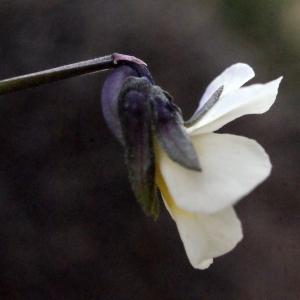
pixel 64 72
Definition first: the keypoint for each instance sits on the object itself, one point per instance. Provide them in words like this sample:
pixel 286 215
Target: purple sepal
pixel 135 117
pixel 135 63
pixel 170 132
pixel 109 98
pixel 142 71
pixel 112 87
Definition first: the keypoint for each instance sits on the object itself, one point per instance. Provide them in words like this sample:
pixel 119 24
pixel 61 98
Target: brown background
pixel 70 227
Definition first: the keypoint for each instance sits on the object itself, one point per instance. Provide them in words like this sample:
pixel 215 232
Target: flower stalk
pixel 64 72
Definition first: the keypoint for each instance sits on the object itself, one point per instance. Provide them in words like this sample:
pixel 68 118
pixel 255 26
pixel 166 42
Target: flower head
pixel 200 174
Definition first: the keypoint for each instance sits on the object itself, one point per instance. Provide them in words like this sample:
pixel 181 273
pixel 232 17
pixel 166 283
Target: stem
pixel 64 72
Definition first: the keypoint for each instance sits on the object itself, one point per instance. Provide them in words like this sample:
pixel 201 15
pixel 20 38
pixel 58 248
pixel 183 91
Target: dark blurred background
pixel 70 227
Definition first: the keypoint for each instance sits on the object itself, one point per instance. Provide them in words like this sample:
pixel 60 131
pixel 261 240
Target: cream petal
pixel 232 166
pixel 205 264
pixel 253 99
pixel 206 236
pixel 232 79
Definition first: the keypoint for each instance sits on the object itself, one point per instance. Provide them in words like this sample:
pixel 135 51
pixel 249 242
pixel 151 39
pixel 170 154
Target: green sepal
pixel 205 108
pixel 135 118
pixel 170 132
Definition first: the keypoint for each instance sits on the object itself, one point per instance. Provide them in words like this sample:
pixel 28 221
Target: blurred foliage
pixel 263 23
pixel 257 20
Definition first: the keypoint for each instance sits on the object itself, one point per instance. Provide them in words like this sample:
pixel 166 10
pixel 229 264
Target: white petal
pixel 206 236
pixel 232 79
pixel 232 166
pixel 205 264
pixel 253 99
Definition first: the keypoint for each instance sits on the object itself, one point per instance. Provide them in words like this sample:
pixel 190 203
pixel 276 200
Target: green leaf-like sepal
pixel 135 117
pixel 170 132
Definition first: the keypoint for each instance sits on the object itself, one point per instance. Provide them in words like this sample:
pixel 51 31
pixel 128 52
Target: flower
pixel 200 174
pixel 232 166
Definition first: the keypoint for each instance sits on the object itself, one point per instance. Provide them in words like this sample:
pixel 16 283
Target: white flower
pixel 201 203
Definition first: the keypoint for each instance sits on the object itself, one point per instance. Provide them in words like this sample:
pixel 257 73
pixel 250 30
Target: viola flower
pixel 200 174
pixel 232 166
